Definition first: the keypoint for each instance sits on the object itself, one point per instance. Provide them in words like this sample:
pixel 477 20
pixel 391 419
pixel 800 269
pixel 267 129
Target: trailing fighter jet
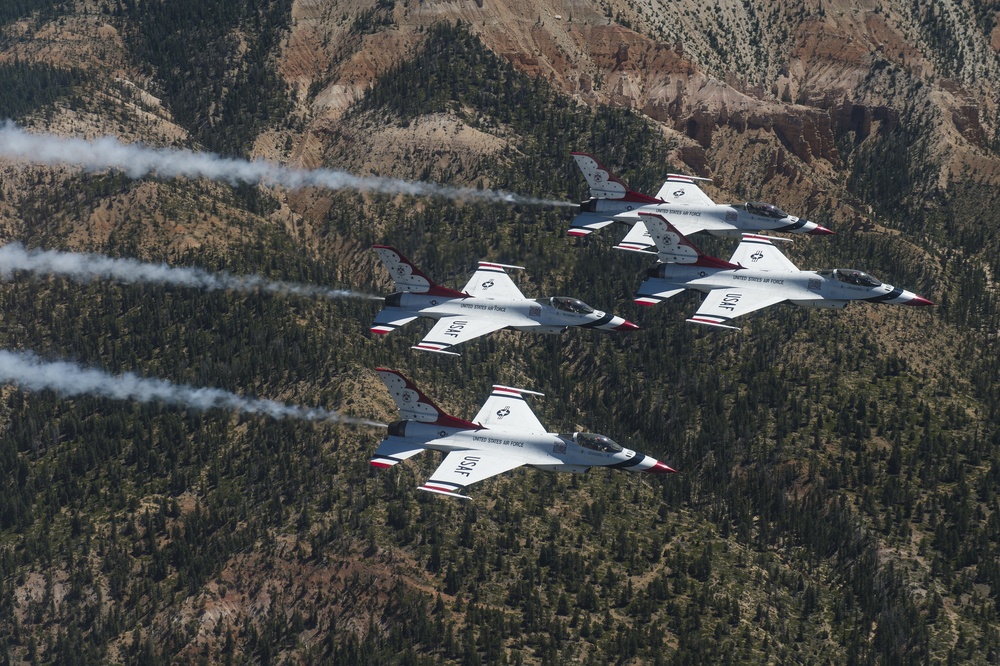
pixel 504 435
pixel 680 197
pixel 756 276
pixel 490 302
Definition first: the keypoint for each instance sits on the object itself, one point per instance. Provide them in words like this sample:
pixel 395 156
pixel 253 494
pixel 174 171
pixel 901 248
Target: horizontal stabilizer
pixel 587 223
pixel 654 291
pixel 394 450
pixel 389 320
pixel 638 240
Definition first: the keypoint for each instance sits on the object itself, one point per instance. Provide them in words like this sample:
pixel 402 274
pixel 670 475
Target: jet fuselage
pixel 536 315
pixel 548 451
pixel 723 219
pixel 805 288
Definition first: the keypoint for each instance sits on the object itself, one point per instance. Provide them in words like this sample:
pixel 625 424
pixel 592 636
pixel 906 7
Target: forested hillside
pixel 836 501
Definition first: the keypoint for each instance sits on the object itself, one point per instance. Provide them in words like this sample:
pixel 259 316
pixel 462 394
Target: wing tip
pixel 709 322
pixel 628 247
pixel 442 491
pixel 436 350
pixel 499 389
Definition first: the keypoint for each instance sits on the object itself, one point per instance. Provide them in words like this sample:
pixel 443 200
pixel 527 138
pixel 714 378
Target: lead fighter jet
pixel 756 276
pixel 490 302
pixel 680 197
pixel 504 435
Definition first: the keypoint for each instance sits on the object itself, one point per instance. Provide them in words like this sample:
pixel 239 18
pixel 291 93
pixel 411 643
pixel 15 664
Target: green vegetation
pixel 837 498
pixel 12 10
pixel 28 88
pixel 214 63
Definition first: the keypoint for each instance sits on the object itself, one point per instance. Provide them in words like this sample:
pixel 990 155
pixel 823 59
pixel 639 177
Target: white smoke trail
pixel 28 371
pixel 86 267
pixel 137 160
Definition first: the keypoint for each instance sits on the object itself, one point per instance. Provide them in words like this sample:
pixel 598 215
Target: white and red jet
pixel 504 435
pixel 688 206
pixel 490 302
pixel 756 276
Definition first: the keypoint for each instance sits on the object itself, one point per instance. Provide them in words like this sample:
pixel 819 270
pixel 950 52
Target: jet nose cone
pixel 918 300
pixel 660 468
pixel 626 325
pixel 821 231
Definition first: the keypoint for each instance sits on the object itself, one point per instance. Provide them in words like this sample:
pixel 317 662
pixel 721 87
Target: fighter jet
pixel 504 435
pixel 490 302
pixel 692 210
pixel 756 276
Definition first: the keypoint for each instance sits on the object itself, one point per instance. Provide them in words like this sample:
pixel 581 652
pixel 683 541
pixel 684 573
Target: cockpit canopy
pixel 765 210
pixel 567 304
pixel 851 276
pixel 589 440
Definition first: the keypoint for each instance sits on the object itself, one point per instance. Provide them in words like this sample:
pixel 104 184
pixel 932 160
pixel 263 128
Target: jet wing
pixel 506 409
pixel 721 305
pixel 683 191
pixel 451 331
pixel 388 320
pixel 760 254
pixel 460 469
pixel 638 239
pixel 491 281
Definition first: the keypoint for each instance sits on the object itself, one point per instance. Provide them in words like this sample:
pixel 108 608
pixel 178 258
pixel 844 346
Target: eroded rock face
pixel 839 70
pixel 966 119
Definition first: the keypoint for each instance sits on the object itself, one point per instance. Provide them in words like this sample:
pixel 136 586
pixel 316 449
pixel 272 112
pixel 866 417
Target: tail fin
pixel 605 185
pixel 674 247
pixel 416 406
pixel 408 277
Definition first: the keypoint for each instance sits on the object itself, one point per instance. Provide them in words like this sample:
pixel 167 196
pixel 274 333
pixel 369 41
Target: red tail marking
pixel 443 419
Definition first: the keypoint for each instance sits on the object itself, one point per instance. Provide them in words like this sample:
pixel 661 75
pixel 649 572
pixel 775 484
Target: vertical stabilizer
pixel 673 247
pixel 605 185
pixel 414 405
pixel 408 277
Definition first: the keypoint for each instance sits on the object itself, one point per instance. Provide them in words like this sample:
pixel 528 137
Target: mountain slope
pixel 836 501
